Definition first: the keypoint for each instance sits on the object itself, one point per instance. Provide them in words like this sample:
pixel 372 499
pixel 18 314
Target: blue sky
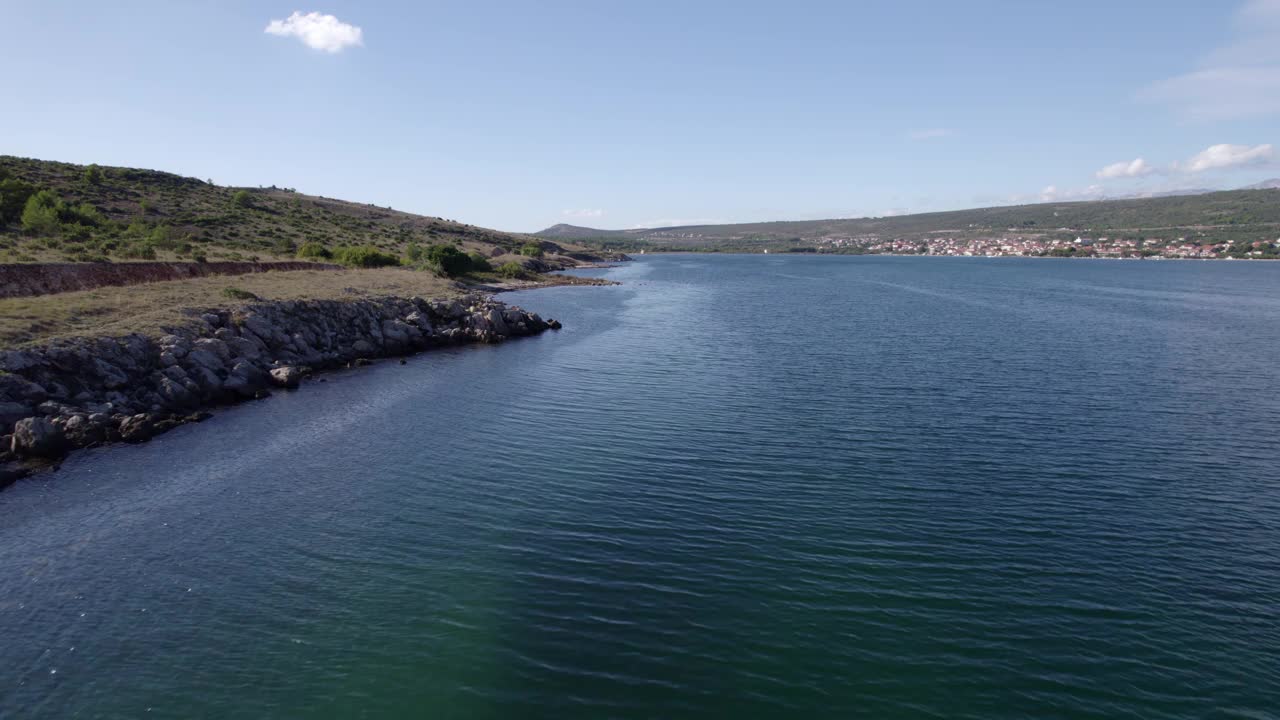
pixel 521 115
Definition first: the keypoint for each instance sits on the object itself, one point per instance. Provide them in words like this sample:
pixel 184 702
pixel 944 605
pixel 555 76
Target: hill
pixel 1234 221
pixel 121 214
pixel 1272 184
pixel 571 232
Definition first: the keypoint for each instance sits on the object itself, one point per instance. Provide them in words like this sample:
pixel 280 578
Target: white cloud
pixel 583 213
pixel 931 134
pixel 1133 168
pixel 1239 79
pixel 317 31
pixel 1053 194
pixel 1222 157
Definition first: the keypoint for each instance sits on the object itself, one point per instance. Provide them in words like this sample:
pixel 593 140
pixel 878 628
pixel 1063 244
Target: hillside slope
pixel 1227 218
pixel 120 214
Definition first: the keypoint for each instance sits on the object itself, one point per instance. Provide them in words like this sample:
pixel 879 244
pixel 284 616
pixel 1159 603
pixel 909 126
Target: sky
pixel 521 115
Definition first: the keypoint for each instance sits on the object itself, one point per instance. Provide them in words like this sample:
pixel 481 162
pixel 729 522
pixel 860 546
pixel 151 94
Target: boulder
pixel 137 428
pixel 245 380
pixel 286 377
pixel 37 436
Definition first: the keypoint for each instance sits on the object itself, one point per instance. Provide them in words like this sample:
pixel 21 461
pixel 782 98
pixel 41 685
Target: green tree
pixel 40 215
pixel 531 249
pixel 13 199
pixel 448 260
pixel 93 175
pixel 242 199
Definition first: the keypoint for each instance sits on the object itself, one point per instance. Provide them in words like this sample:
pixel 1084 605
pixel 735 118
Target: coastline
pixel 81 392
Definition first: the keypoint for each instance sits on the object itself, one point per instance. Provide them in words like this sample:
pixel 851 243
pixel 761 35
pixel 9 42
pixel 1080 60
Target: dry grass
pixel 152 307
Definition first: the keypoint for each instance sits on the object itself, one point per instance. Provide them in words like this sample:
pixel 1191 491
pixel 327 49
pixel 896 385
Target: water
pixel 754 486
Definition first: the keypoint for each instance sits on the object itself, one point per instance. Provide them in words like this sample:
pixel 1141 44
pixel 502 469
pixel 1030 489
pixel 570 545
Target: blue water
pixel 732 486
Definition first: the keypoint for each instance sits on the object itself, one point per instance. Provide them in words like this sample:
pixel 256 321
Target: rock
pixel 213 345
pixel 497 322
pixel 110 376
pixel 420 320
pixel 38 437
pixel 288 377
pixel 12 412
pixel 245 380
pixel 553 324
pixel 174 393
pixel 203 358
pixel 245 348
pixel 137 428
pixel 82 431
pixel 17 389
pixel 82 391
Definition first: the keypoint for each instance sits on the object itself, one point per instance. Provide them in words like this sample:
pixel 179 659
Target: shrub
pixel 236 293
pixel 14 194
pixel 242 199
pixel 364 256
pixel 513 270
pixel 93 175
pixel 531 249
pixel 40 215
pixel 84 214
pixel 284 246
pixel 479 263
pixel 138 251
pixel 314 250
pixel 447 260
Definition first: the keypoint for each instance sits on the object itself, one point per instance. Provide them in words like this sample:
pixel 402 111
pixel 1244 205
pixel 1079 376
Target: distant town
pixel 1021 246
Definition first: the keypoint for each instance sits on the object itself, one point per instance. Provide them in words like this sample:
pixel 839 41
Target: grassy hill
pixel 1231 217
pixel 120 214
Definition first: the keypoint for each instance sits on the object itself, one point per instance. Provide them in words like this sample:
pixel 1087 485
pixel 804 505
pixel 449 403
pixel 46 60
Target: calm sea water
pixel 751 486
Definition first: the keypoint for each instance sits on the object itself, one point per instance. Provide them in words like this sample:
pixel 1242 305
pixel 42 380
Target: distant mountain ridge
pixel 1227 216
pixel 1272 184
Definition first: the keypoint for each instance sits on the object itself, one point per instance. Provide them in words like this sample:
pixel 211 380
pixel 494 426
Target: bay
pixel 752 485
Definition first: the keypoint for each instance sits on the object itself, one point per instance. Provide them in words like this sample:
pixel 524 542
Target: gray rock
pixel 174 393
pixel 202 358
pixel 286 377
pixel 137 428
pixel 38 437
pixel 12 412
pixel 213 345
pixel 245 380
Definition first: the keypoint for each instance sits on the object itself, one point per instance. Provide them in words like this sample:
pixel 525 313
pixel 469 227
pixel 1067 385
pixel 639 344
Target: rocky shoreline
pixel 82 392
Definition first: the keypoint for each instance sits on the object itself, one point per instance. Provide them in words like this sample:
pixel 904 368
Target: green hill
pixel 119 214
pixel 1232 218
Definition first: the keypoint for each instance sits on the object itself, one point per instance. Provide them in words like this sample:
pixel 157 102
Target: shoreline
pixel 952 257
pixel 82 392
